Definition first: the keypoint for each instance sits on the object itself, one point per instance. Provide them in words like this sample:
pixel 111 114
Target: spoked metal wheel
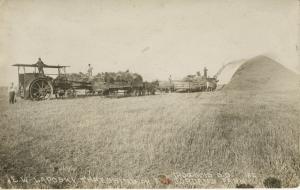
pixel 40 89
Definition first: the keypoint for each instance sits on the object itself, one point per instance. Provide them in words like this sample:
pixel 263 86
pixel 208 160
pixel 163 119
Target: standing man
pixel 170 78
pixel 11 93
pixel 170 84
pixel 90 70
pixel 205 72
pixel 40 64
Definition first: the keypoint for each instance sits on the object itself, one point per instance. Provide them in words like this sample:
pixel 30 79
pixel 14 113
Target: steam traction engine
pixel 39 86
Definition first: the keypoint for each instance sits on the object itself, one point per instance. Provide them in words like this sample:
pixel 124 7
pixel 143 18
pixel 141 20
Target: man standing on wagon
pixel 90 71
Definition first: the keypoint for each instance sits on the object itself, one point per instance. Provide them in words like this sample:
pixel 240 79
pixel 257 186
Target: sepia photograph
pixel 149 94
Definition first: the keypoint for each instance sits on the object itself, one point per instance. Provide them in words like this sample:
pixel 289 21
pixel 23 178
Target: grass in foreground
pixel 217 139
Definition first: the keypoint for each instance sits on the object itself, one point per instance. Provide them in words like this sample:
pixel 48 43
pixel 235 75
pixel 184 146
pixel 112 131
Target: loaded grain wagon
pixel 189 86
pixel 118 84
pixel 196 83
pixel 191 83
pixel 166 86
pixel 99 86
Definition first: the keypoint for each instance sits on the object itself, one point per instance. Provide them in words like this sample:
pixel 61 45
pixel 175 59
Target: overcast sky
pixel 154 38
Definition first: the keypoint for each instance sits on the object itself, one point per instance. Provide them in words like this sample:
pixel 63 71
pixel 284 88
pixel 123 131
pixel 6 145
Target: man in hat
pixel 40 64
pixel 90 70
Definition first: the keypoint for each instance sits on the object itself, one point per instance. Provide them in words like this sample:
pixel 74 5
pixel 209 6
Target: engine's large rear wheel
pixel 40 89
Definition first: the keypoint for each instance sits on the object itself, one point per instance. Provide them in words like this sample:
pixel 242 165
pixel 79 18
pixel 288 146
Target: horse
pixel 149 88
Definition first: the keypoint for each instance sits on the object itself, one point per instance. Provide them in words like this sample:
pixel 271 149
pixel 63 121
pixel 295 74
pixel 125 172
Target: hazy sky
pixel 154 38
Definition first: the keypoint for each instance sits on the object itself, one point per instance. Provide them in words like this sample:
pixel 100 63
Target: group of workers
pixel 40 65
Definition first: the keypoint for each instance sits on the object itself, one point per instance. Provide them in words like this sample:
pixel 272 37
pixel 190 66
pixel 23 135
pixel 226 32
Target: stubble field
pixel 217 139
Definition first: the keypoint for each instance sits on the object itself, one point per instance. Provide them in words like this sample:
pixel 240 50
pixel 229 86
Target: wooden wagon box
pixel 183 86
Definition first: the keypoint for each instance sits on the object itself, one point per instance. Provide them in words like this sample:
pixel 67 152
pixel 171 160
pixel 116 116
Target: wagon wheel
pixel 40 89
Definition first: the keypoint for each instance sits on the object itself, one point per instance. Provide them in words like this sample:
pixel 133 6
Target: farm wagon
pixel 39 86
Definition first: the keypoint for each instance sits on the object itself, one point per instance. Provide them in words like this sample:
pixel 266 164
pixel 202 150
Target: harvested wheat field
pixel 217 139
pixel 246 135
